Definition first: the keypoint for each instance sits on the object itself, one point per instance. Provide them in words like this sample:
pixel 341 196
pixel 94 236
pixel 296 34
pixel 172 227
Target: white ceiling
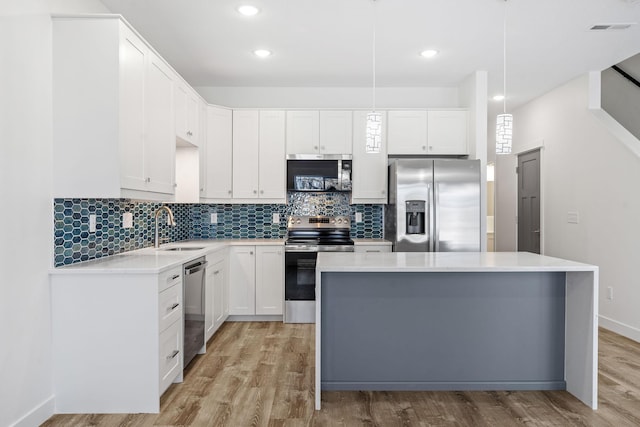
pixel 329 42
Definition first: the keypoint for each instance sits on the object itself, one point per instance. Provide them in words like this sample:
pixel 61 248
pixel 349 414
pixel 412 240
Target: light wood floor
pixel 262 374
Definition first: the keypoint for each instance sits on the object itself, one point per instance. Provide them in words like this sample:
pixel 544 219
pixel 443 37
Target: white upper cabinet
pixel 447 132
pixel 303 132
pixel 187 114
pixel 272 163
pixel 319 132
pixel 258 155
pixel 336 132
pixel 407 132
pixel 160 144
pixel 113 116
pixel 216 154
pixel 433 132
pixel 369 169
pixel 246 139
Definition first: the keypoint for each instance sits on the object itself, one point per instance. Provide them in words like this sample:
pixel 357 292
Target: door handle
pixel 536 231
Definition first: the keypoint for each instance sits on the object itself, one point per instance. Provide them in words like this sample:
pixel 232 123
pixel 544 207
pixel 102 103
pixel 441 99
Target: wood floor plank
pixel 263 374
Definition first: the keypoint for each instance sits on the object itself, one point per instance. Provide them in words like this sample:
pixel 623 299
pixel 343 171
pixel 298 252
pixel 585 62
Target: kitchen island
pixel 456 321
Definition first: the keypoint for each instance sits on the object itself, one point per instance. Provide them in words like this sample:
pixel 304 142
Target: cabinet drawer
pixel 170 354
pixel 169 278
pixel 169 306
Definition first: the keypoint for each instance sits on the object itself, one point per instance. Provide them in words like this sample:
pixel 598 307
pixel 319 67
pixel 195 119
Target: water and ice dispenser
pixel 415 211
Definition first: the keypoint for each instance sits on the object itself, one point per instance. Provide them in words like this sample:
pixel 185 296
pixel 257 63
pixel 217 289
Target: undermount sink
pixel 182 248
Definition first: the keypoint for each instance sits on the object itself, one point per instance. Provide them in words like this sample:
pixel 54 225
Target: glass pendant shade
pixel 374 132
pixel 504 133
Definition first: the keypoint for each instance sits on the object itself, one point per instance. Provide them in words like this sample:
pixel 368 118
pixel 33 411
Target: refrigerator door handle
pixel 436 214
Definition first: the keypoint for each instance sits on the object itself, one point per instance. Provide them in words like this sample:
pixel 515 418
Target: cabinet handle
pixel 175 277
pixel 147 179
pixel 173 355
pixel 216 272
pixel 315 147
pixel 201 189
pixel 173 307
pixel 255 192
pixel 384 192
pixel 229 192
pixel 424 147
pixel 251 253
pixel 261 191
pixel 431 147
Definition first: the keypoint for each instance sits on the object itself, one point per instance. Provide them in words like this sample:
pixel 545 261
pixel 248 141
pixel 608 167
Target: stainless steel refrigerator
pixel 434 205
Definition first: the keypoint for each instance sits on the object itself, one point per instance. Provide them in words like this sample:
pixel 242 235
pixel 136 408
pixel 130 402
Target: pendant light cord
pixel 374 54
pixel 504 59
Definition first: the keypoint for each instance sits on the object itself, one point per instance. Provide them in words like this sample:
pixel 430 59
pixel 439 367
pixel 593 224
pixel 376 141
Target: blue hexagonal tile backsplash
pixel 74 243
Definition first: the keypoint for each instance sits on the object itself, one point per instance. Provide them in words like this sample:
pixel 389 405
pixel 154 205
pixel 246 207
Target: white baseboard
pixel 619 328
pixel 37 415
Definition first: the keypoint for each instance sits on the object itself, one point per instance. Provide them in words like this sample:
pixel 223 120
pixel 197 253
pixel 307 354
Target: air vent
pixel 610 27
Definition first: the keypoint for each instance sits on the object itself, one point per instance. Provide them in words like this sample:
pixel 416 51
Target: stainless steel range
pixel 306 236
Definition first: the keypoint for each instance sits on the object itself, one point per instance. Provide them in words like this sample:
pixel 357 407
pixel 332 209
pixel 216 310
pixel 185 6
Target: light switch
pixel 92 223
pixel 127 220
pixel 275 218
pixel 214 218
pixel 358 216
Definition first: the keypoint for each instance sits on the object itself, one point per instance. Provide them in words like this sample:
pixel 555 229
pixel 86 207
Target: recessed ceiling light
pixel 248 10
pixel 262 53
pixel 498 97
pixel 429 53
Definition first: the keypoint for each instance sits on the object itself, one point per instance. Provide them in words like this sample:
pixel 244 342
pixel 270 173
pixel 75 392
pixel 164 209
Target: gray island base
pixel 456 321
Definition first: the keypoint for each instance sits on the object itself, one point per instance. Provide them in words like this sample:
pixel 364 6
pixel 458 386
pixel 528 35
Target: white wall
pixel 585 169
pixel 330 97
pixel 26 236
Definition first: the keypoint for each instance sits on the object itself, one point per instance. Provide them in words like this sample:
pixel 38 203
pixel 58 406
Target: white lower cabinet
pixel 216 293
pixel 117 340
pixel 256 280
pixel 371 248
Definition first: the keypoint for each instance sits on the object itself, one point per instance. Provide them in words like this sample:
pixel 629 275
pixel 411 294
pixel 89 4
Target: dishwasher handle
pixel 194 268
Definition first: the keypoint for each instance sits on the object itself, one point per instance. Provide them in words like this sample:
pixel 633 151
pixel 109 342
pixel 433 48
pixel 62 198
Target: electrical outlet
pixel 573 217
pixel 358 216
pixel 127 220
pixel 214 218
pixel 275 218
pixel 92 223
pixel 610 293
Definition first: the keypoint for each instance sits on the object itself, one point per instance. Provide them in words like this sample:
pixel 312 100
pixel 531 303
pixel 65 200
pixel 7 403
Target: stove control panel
pixel 318 222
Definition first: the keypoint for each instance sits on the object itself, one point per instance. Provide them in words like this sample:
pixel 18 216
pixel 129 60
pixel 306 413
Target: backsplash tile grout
pixel 74 243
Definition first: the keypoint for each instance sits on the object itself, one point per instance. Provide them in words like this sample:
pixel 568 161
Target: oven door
pixel 300 276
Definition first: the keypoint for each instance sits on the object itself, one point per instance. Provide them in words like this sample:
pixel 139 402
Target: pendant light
pixel 504 121
pixel 374 118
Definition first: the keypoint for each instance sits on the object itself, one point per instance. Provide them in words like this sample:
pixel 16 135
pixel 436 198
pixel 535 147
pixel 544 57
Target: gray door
pixel 529 202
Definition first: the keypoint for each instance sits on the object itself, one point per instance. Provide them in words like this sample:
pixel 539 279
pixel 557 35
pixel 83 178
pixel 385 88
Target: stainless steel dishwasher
pixel 194 277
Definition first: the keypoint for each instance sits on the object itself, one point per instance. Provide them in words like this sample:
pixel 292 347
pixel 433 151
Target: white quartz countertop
pixel 153 261
pixel 444 262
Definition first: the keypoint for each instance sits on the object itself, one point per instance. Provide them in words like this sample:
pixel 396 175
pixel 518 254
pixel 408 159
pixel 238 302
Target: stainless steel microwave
pixel 319 173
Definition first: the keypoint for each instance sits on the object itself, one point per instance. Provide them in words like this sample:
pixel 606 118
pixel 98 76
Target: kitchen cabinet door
pixel 272 163
pixel 447 132
pixel 186 113
pixel 369 169
pixel 269 280
pixel 214 294
pixel 134 54
pixel 160 144
pixel 246 139
pixel 242 276
pixel 407 132
pixel 303 132
pixel 216 155
pixel 336 132
pixel 220 294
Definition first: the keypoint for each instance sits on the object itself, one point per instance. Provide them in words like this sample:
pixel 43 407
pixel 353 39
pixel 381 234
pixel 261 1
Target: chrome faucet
pixel 172 222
